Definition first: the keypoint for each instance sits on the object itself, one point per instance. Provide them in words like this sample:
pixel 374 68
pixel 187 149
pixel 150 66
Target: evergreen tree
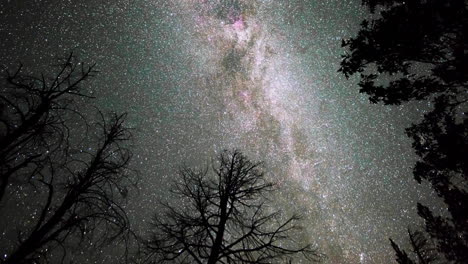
pixel 417 50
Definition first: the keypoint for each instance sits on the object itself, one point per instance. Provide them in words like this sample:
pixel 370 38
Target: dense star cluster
pixel 200 76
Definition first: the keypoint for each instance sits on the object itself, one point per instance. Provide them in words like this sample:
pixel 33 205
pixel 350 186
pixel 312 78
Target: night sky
pixel 200 76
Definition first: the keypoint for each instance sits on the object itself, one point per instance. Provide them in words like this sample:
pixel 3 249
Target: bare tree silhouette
pixel 31 115
pixel 78 197
pixel 225 218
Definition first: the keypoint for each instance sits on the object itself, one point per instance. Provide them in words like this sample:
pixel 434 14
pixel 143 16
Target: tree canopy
pixel 413 51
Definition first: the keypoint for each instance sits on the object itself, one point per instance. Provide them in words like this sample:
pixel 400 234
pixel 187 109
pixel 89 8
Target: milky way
pixel 198 76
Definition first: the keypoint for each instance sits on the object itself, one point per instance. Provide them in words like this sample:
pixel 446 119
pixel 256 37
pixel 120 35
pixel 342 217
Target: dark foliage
pixel 421 247
pixel 77 195
pixel 224 218
pixel 417 50
pixel 402 256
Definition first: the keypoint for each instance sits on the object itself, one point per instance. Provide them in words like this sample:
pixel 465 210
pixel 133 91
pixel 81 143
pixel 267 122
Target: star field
pixel 199 76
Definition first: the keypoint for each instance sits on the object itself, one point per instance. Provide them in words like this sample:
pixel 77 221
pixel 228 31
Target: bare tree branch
pixel 80 195
pixel 224 219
